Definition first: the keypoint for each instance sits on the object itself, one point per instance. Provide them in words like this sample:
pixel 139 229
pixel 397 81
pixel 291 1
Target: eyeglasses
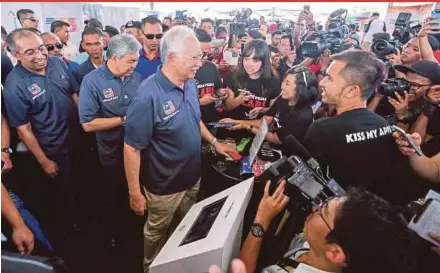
pixel 151 36
pixel 195 58
pixel 32 52
pixel 33 19
pixel 416 86
pixel 51 47
pixel 319 209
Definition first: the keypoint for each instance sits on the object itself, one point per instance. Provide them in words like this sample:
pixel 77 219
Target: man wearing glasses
pixel 358 232
pixel 164 128
pixel 149 58
pixel 40 96
pixel 27 18
pixel 55 48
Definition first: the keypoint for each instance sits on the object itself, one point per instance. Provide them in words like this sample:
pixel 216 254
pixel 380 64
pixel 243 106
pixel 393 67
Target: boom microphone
pixel 294 147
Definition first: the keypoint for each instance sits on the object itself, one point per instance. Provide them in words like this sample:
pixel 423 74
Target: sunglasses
pixel 52 47
pixel 151 36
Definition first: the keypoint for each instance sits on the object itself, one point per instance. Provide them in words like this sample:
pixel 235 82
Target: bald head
pixel 53 44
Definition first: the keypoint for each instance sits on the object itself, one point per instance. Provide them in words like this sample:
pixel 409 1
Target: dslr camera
pixel 333 38
pixel 399 85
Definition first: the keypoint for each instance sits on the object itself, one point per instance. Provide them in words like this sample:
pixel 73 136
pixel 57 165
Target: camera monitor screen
pixel 204 222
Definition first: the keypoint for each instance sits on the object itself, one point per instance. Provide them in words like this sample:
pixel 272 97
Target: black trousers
pixel 51 200
pixel 121 224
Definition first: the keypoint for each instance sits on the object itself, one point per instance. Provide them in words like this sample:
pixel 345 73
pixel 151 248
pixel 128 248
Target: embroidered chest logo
pixel 34 89
pixel 108 93
pixel 169 108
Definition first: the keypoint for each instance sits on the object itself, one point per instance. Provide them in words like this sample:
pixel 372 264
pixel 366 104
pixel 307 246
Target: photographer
pixel 356 140
pixel 375 25
pixel 286 56
pixel 291 114
pixel 428 168
pixel 428 43
pixel 359 232
pixel 408 104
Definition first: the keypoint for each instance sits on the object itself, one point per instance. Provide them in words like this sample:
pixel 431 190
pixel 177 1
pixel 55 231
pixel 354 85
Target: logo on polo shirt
pixel 34 89
pixel 169 108
pixel 108 93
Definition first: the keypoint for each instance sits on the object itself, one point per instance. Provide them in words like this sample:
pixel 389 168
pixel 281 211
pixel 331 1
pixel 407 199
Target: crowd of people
pixel 112 133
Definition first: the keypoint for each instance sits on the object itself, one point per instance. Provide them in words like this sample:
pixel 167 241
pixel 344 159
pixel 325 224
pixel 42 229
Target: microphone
pixel 296 148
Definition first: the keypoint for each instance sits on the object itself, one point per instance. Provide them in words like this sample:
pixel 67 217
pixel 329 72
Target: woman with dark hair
pixel 292 113
pixel 252 88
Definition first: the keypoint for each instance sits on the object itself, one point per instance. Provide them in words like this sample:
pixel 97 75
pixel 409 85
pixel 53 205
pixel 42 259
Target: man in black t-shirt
pixel 209 83
pixel 355 146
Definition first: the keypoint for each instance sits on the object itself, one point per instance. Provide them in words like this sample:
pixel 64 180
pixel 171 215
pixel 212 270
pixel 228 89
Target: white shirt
pixel 376 26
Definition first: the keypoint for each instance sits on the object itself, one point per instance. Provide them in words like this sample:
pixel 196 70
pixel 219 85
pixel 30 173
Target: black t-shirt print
pixel 208 81
pixel 289 120
pixel 358 148
pixel 258 97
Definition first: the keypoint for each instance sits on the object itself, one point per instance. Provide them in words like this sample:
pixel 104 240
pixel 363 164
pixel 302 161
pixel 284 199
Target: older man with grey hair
pixel 163 135
pixel 105 95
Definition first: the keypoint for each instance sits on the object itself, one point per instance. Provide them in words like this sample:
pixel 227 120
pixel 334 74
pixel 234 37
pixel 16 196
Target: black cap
pixel 427 69
pixel 133 24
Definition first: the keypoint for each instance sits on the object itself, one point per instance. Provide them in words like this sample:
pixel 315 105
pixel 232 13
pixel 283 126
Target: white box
pixel 218 235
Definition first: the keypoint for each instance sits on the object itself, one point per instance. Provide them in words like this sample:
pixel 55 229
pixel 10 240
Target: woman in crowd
pixel 291 113
pixel 252 88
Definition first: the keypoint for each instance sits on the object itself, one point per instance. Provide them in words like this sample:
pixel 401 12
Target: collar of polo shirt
pixel 155 57
pixel 164 82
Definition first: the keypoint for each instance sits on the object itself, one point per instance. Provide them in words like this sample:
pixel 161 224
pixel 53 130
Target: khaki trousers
pixel 164 214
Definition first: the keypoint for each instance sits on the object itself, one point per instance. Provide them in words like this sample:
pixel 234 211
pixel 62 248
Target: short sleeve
pixel 88 105
pixel 74 85
pixel 17 106
pixel 139 124
pixel 218 81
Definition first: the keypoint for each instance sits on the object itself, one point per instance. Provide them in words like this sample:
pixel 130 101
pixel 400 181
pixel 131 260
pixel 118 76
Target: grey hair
pixel 51 34
pixel 122 44
pixel 13 36
pixel 173 41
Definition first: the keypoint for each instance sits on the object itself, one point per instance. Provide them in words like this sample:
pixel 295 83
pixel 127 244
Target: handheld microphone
pixel 295 147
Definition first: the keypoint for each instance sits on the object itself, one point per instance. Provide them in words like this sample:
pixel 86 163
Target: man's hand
pixel 275 59
pixel 6 158
pixel 437 239
pixel 404 145
pixel 23 239
pixel 50 168
pixel 395 59
pixel 208 99
pixel 291 56
pixel 427 28
pixel 270 206
pixel 237 266
pixel 224 149
pixel 138 203
pixel 324 60
pixel 433 94
pixel 400 105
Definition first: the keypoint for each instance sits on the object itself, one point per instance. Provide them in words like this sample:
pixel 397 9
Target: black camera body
pixel 333 38
pixel 399 85
pixel 306 185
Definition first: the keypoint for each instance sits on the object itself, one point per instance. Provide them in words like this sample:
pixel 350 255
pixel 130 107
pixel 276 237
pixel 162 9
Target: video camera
pixel 402 33
pixel 306 185
pixel 333 38
pixel 399 85
pixel 241 23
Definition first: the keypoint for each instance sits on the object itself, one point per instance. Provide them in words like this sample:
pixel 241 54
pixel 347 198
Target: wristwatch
pixel 7 150
pixel 257 230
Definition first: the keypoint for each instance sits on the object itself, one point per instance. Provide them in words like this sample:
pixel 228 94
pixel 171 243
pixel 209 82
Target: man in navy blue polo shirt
pixel 92 42
pixel 39 97
pixel 104 98
pixel 149 58
pixel 164 122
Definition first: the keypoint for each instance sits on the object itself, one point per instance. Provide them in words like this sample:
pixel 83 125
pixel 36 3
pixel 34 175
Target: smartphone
pixel 436 14
pixel 179 15
pixel 407 139
pixel 307 8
